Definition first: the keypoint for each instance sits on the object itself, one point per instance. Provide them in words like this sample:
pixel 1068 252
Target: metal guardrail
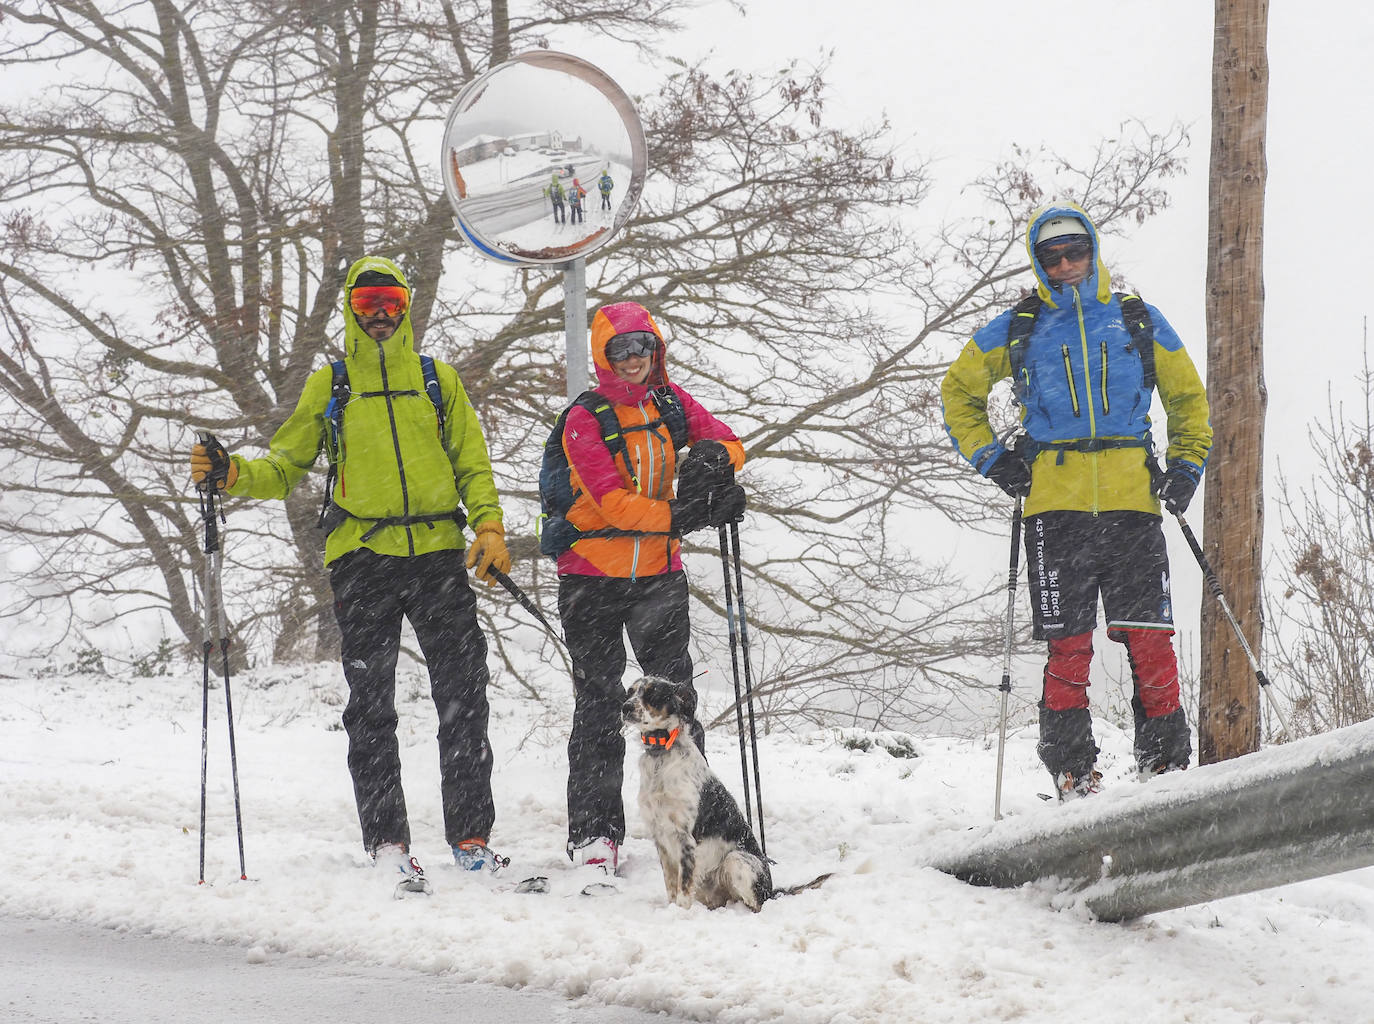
pixel 1281 815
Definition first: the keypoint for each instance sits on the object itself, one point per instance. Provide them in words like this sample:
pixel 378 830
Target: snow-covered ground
pixel 99 804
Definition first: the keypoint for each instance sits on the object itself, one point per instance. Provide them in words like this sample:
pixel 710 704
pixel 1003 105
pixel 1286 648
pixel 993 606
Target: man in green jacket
pixel 402 479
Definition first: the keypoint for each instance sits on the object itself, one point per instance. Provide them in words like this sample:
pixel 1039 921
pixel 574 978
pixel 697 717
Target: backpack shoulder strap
pixel 1019 330
pixel 1142 328
pixel 339 393
pixel 436 395
pixel 672 413
pixel 333 431
pixel 606 420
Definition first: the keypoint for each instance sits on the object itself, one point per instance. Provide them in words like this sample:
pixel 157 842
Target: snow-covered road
pixel 62 973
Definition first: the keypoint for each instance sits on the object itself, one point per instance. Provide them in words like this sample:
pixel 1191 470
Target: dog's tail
pixel 815 883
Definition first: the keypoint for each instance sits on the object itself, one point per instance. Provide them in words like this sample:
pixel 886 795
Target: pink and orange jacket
pixel 633 498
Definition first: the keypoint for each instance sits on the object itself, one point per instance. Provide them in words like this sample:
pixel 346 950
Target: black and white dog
pixel 706 848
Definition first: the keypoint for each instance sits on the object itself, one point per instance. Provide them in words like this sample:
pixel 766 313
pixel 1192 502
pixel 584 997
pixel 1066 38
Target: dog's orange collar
pixel 663 738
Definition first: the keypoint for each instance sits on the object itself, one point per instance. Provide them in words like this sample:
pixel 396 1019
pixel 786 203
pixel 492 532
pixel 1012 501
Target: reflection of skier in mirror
pixel 576 193
pixel 555 194
pixel 605 184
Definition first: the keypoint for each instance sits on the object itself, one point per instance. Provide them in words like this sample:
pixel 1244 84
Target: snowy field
pixel 99 803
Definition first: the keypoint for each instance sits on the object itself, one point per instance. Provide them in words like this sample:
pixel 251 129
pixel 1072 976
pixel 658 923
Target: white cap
pixel 1057 227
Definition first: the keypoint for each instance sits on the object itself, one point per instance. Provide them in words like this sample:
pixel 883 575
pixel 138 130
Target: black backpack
pixel 556 494
pixel 1133 312
pixel 1137 319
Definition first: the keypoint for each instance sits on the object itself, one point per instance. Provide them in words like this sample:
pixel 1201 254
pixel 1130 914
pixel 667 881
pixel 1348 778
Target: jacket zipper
pixel 1068 377
pixel 643 478
pixel 1087 380
pixel 396 446
pixel 1106 405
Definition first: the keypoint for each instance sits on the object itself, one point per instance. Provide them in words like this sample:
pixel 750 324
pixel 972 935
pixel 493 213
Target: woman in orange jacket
pixel 631 581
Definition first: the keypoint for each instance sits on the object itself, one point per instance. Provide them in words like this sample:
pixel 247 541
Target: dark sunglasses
pixel 379 300
pixel 1051 258
pixel 631 343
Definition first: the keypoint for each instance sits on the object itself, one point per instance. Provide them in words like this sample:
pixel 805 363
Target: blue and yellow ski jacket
pixel 1082 381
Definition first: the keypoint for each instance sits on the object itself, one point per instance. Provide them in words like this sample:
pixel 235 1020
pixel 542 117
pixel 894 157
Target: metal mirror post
pixel 575 326
pixel 544 160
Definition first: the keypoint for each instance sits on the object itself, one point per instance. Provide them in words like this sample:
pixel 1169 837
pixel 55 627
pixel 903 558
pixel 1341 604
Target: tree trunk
pixel 1228 703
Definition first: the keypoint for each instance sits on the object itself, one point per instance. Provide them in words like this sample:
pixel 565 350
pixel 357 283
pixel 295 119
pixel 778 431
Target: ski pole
pixel 206 645
pixel 1214 585
pixel 734 665
pixel 1005 686
pixel 527 604
pixel 212 513
pixel 748 683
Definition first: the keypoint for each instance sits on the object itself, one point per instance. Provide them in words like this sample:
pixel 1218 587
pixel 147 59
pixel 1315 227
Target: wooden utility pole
pixel 1228 703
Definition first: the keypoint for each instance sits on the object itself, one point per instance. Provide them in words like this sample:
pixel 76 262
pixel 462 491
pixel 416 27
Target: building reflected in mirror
pixel 544 159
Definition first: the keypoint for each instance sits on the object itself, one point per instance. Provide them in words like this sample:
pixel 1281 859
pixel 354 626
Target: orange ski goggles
pixel 379 300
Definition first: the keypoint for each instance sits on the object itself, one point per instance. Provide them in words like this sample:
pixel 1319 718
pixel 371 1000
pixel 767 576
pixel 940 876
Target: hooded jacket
pixel 1083 381
pixel 634 497
pixel 392 463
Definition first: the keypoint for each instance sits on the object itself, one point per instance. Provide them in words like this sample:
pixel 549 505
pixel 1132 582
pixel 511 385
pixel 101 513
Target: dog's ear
pixel 663 696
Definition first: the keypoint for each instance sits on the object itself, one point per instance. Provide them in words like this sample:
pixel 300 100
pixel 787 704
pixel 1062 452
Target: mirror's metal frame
pixel 574 270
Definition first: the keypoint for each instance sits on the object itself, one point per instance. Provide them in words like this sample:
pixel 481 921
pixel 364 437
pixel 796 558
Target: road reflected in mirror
pixel 544 159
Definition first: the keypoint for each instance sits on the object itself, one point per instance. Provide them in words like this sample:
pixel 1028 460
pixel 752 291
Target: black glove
pixel 689 515
pixel 1011 473
pixel 1178 485
pixel 727 505
pixel 707 494
pixel 705 469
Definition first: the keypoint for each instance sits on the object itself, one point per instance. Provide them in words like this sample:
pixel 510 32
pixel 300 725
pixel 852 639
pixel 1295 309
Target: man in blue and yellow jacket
pixel 403 477
pixel 1092 491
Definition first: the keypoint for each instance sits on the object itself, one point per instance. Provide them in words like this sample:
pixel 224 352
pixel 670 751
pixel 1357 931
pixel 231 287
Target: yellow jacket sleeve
pixel 467 451
pixel 1184 398
pixel 964 399
pixel 294 447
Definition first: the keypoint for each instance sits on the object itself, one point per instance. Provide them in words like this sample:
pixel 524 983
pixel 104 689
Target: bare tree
pixel 221 166
pixel 1322 635
pixel 1228 704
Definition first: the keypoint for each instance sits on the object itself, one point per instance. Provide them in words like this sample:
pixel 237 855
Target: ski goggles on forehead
pixel 379 300
pixel 1074 251
pixel 630 344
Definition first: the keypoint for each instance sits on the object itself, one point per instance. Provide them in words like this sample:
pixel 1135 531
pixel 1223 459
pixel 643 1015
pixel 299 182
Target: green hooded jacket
pixel 392 462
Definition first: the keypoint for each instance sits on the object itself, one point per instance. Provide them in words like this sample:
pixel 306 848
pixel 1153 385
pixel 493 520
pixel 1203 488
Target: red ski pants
pixel 1154 669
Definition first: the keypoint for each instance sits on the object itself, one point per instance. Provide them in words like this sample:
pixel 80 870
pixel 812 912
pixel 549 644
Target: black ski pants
pixel 597 612
pixel 372 593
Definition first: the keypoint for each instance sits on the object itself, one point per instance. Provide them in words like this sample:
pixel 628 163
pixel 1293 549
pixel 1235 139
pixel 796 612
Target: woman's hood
pixel 619 318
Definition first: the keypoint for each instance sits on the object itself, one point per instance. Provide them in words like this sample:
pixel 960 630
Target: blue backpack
pixel 556 495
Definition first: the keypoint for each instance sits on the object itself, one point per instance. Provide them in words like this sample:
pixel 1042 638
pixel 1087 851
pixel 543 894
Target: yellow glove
pixel 488 551
pixel 213 462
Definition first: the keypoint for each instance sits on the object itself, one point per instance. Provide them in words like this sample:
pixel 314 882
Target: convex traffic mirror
pixel 543 159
